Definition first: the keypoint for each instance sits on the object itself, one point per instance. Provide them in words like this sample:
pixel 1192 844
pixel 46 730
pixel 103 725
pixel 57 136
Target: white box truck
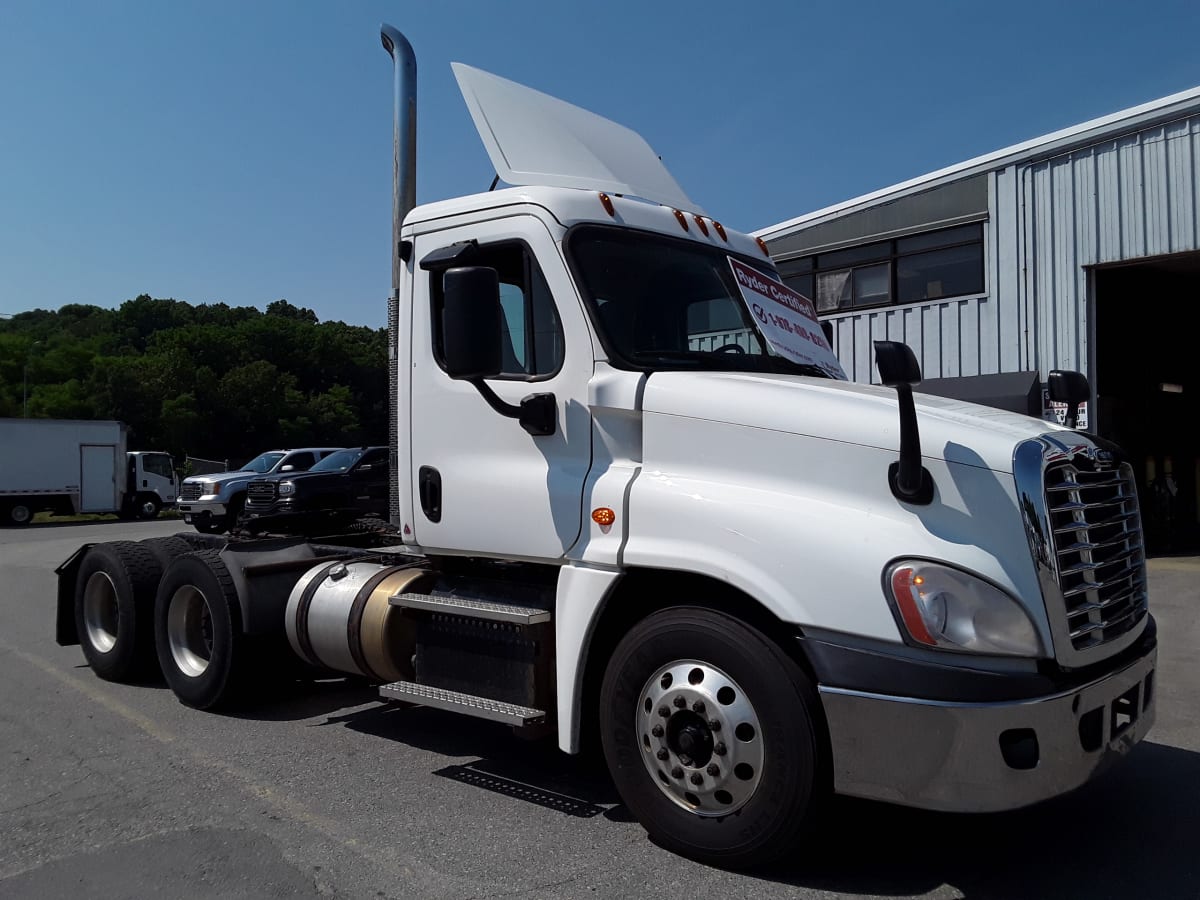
pixel 749 581
pixel 71 466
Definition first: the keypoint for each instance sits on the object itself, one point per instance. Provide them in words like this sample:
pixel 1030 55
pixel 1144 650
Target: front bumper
pixel 987 756
pixel 191 509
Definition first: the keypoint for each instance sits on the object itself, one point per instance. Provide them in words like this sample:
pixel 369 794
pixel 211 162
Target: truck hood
pixel 865 415
pixel 222 477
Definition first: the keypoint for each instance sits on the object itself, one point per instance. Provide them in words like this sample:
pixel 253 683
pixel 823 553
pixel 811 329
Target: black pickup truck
pixel 343 487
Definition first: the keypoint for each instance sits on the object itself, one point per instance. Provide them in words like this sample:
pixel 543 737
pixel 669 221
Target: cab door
pixel 481 484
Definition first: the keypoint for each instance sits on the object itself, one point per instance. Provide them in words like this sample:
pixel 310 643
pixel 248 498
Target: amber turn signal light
pixel 603 516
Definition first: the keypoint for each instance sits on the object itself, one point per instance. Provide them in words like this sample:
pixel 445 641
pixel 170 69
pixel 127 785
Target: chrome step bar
pixel 479 707
pixel 473 609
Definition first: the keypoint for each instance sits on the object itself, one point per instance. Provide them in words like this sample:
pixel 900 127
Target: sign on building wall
pixel 1053 411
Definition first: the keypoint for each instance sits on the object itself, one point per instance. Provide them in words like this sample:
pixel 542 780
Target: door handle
pixel 429 486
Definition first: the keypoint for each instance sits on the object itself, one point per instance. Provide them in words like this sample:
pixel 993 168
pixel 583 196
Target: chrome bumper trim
pixel 947 756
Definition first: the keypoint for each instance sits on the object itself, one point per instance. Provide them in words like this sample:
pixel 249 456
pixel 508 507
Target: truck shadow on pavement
pixel 1135 832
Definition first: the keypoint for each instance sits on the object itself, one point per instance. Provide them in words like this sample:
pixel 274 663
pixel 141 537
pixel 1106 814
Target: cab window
pixel 532 337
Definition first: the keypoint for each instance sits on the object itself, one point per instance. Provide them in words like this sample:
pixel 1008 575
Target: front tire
pixel 198 631
pixel 712 735
pixel 18 513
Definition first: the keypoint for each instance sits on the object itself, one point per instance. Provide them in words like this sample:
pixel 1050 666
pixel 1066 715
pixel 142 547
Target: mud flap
pixel 64 622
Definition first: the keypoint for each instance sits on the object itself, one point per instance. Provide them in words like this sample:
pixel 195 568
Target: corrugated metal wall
pixel 1130 197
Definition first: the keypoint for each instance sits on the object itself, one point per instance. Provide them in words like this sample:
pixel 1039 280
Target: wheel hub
pixel 701 738
pixel 101 615
pixel 190 631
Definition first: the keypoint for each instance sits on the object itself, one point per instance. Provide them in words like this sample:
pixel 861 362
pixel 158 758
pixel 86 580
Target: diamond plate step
pixel 475 609
pixel 480 707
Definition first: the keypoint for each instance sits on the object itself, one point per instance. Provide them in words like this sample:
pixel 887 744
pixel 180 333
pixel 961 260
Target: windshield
pixel 262 463
pixel 663 303
pixel 338 462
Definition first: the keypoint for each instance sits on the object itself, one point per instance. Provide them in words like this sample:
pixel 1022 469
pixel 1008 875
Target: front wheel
pixel 712 737
pixel 18 513
pixel 148 506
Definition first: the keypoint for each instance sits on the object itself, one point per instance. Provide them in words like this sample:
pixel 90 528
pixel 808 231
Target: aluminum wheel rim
pixel 148 508
pixel 101 615
pixel 189 630
pixel 21 514
pixel 700 737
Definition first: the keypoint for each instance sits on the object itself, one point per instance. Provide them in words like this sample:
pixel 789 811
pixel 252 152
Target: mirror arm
pixel 537 413
pixel 909 480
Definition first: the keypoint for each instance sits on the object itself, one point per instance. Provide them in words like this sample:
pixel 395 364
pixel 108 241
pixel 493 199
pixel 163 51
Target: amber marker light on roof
pixel 681 219
pixel 602 515
pixel 720 230
pixel 606 202
pixel 762 245
pixel 700 223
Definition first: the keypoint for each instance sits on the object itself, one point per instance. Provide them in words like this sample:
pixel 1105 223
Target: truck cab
pixel 151 483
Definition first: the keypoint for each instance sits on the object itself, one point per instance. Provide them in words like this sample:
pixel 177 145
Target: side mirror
pixel 366 468
pixel 288 468
pixel 471 322
pixel 1071 388
pixel 897 364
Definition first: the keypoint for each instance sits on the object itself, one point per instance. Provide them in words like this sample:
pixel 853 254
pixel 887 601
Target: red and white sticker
pixel 787 319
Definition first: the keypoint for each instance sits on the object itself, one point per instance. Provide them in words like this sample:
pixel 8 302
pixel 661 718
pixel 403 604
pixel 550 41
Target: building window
pixel 928 266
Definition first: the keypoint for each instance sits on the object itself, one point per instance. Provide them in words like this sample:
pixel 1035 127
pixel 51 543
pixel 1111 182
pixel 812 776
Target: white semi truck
pixel 751 582
pixel 71 466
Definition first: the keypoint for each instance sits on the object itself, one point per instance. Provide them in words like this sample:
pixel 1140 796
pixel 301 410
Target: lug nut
pixel 698 707
pixel 677 772
pixel 665 712
pixel 713 769
pixel 663 755
pixel 714 724
pixel 697 778
pixel 657 731
pixel 720 748
pixel 680 702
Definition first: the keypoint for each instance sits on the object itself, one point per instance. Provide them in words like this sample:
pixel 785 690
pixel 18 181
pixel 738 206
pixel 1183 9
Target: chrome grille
pixel 260 492
pixel 191 490
pixel 1096 544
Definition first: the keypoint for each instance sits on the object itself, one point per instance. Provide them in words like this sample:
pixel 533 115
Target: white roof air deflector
pixel 535 139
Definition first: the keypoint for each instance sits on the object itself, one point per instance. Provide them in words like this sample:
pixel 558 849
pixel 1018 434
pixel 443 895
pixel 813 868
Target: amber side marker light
pixel 700 223
pixel 603 516
pixel 720 230
pixel 762 245
pixel 606 202
pixel 681 219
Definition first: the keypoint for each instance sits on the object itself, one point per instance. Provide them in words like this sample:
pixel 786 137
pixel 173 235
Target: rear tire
pixel 114 609
pixel 18 513
pixel 734 782
pixel 166 549
pixel 198 632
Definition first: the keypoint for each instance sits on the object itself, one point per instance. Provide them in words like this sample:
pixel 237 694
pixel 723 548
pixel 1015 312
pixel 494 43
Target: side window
pixel 532 337
pixel 157 464
pixel 301 462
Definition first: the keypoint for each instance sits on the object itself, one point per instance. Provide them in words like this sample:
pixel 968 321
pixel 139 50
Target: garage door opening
pixel 1148 396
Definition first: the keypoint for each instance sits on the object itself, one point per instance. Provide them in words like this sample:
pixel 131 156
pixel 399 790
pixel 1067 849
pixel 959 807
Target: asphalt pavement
pixel 115 790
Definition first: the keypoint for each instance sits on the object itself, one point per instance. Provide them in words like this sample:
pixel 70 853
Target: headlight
pixel 285 488
pixel 209 487
pixel 945 607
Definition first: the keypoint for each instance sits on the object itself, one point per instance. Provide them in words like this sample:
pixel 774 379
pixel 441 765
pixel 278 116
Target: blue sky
pixel 241 152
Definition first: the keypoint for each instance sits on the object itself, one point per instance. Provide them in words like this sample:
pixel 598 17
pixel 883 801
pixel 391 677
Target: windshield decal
pixel 787 319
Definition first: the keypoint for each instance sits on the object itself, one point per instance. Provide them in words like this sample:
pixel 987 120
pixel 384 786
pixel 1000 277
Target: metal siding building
pixel 1089 248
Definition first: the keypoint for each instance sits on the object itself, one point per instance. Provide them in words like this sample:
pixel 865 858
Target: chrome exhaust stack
pixel 404 198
